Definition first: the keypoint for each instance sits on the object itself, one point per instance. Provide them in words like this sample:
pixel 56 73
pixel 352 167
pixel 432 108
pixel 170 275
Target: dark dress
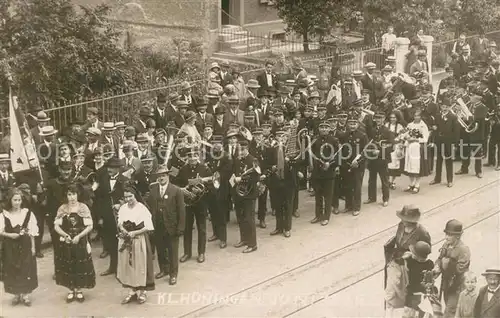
pixel 19 263
pixel 415 276
pixel 74 266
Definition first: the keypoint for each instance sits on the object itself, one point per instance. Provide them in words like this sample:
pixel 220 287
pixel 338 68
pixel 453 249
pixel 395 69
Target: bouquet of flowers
pixel 415 133
pixel 127 240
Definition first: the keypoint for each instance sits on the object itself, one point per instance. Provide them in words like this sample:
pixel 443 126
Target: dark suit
pixel 462 68
pixel 447 134
pixel 113 141
pixel 169 221
pixel 87 125
pixel 220 129
pixel 377 165
pixel 239 118
pixel 484 308
pixel 105 198
pixel 160 120
pixel 139 127
pixel 226 79
pixel 262 79
pixel 374 85
pixel 324 149
pixel 200 122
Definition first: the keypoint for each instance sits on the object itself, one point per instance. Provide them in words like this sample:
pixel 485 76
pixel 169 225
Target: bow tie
pixel 112 178
pixel 491 291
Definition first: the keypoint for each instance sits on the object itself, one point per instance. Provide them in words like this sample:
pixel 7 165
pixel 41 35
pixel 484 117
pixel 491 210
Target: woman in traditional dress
pixel 74 266
pixel 18 227
pixel 409 232
pixel 396 165
pixel 416 165
pixel 135 261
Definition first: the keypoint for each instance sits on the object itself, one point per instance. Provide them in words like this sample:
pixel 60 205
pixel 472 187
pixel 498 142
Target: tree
pixel 406 17
pixel 471 16
pixel 307 17
pixel 56 54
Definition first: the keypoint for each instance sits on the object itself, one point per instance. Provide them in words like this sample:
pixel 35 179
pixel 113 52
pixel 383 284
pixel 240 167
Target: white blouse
pixel 139 213
pixel 18 219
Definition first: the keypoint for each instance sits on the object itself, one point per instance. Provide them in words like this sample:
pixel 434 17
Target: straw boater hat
pixel 107 126
pixel 253 84
pixel 48 131
pixel 120 124
pixel 94 131
pixel 4 157
pixel 409 213
pixel 370 66
pixel 491 271
pixel 185 86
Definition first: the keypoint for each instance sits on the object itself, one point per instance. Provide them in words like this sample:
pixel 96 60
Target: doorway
pixel 225 12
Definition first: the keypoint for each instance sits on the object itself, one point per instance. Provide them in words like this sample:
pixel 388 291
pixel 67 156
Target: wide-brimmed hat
pixel 145 111
pixel 42 116
pixel 161 98
pixel 120 124
pixel 219 111
pixel 421 249
pixel 93 110
pixel 491 271
pixel 214 65
pixel 212 93
pixel 253 84
pixel 142 138
pixel 185 86
pixel 454 227
pixel 370 66
pixel 409 213
pixel 162 170
pixel 114 163
pixel 94 131
pixel 172 97
pixel 48 131
pixel 201 102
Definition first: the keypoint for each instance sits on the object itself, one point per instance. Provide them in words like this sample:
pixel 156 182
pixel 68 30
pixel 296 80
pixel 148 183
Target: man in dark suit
pixel 7 180
pixel 140 124
pixel 488 300
pixel 268 79
pixel 463 65
pixel 202 117
pixel 220 124
pixel 160 113
pixel 109 198
pixel 42 120
pixel 47 151
pixel 420 64
pixel 447 134
pixel 166 203
pixel 186 94
pixel 234 114
pixel 92 119
pixel 371 82
pixel 109 136
pixel 225 74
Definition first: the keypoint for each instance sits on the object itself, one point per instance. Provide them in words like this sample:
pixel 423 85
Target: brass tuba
pixel 464 115
pixel 245 187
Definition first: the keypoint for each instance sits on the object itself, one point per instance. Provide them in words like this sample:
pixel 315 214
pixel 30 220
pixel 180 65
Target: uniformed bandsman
pixel 246 174
pixel 353 165
pixel 325 152
pixel 378 157
pixel 259 148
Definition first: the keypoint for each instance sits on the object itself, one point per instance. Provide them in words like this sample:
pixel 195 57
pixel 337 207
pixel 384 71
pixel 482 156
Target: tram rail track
pixel 290 273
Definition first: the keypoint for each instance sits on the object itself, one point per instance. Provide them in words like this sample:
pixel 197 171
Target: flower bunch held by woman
pixel 19 228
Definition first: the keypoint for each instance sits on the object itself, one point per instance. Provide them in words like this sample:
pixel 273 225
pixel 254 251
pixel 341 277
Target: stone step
pixel 232 36
pixel 244 48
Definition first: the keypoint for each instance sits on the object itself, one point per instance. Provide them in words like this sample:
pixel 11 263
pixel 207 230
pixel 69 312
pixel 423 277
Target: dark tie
pixel 281 163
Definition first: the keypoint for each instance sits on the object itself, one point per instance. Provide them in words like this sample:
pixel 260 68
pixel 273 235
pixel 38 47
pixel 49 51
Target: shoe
pixel 315 220
pixel 276 232
pixel 262 224
pixel 346 210
pixel 324 222
pixel 286 234
pixel 212 238
pixel 450 184
pixel 497 168
pixel 222 245
pixel 296 214
pixel 487 165
pixel 201 258
pixel 459 172
pixel 249 249
pixel 369 201
pixel 39 254
pixel 335 211
pixel 16 300
pixel 385 204
pixel 416 190
pixel 239 244
pixel 161 274
pixel 130 298
pixel 70 297
pixel 184 258
pixel 355 213
pixel 104 254
pixel 142 298
pixel 392 186
pixel 479 175
pixel 108 272
pixel 79 297
pixel 409 189
pixel 433 182
pixel 26 301
pixel 172 280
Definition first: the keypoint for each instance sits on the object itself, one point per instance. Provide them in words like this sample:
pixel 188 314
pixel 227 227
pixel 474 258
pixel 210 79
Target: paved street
pixel 316 261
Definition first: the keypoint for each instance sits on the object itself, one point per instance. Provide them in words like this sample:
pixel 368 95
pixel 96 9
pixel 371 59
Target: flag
pixel 23 155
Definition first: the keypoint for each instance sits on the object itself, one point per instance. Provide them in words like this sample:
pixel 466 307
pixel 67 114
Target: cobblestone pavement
pixel 315 261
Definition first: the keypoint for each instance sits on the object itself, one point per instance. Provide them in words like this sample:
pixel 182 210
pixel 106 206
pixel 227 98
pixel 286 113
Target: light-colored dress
pixel 135 266
pixel 414 156
pixel 395 166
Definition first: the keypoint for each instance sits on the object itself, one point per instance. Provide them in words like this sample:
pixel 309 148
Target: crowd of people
pixel 141 186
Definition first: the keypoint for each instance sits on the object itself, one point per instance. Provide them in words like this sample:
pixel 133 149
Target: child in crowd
pixel 467 298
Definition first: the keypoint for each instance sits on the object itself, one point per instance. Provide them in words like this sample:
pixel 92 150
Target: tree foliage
pixel 471 16
pixel 56 54
pixel 307 17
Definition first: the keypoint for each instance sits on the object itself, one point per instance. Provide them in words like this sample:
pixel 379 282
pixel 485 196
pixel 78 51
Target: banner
pixel 23 155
